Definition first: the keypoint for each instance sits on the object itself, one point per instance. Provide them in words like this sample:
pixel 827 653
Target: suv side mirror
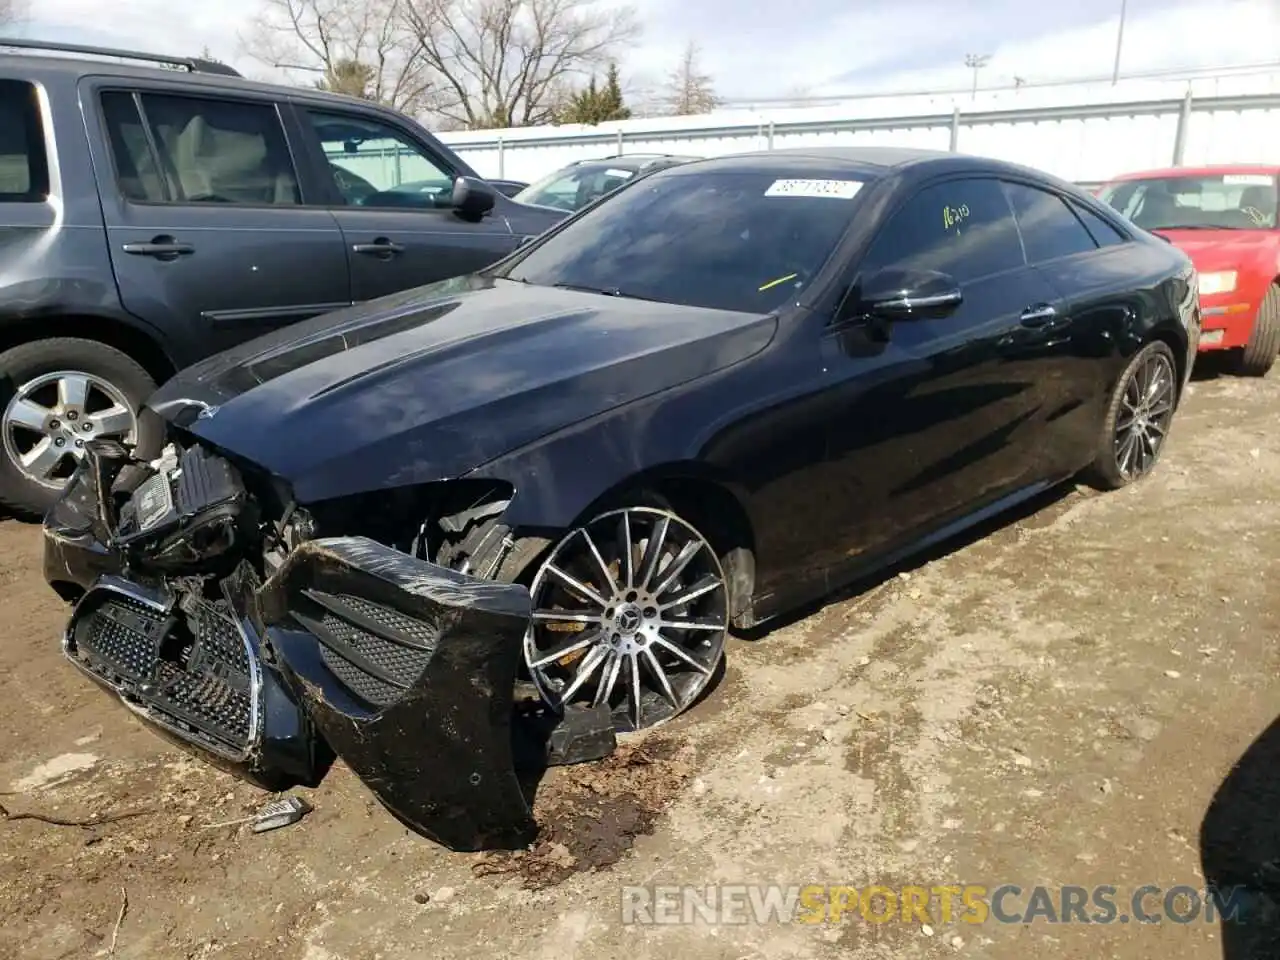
pixel 908 295
pixel 472 198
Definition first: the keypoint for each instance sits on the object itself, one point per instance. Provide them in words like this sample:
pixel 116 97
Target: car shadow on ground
pixel 961 540
pixel 1214 365
pixel 1240 851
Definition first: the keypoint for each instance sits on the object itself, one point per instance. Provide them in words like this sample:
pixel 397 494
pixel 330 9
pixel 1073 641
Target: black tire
pixel 1259 354
pixel 486 550
pixel 1105 473
pixel 28 498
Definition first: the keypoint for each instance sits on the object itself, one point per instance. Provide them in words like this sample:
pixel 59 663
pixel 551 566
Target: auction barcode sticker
pixel 1248 180
pixel 835 189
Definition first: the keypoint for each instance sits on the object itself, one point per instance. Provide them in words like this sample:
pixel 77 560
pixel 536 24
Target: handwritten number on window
pixel 954 216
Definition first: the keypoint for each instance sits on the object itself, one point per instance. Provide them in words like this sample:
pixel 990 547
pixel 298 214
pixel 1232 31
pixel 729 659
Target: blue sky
pixel 759 49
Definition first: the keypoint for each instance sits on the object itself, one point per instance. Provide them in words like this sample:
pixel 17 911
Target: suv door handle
pixel 163 247
pixel 381 247
pixel 1039 315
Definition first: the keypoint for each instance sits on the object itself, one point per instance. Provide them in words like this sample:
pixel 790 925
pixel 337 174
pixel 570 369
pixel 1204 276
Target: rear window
pixel 24 174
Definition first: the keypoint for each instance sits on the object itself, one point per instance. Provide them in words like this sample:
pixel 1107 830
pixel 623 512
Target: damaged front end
pixel 270 657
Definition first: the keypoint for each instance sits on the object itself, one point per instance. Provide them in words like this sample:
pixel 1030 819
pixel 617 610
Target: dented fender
pixel 408 669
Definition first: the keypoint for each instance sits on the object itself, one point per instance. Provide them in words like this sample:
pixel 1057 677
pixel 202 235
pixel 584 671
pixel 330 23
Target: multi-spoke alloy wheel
pixel 631 611
pixel 1146 409
pixel 48 420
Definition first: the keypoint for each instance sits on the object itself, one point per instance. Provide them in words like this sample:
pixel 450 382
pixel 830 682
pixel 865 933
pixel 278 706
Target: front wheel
pixel 630 611
pixel 1259 354
pixel 1138 419
pixel 55 395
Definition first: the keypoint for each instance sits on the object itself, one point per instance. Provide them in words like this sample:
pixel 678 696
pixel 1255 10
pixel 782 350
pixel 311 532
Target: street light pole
pixel 1115 74
pixel 975 62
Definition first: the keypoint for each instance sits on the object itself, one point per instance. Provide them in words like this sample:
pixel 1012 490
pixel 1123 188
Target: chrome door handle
pixel 1038 316
pixel 163 247
pixel 381 247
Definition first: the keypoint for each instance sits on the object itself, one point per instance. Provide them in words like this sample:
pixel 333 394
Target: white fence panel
pixel 1084 132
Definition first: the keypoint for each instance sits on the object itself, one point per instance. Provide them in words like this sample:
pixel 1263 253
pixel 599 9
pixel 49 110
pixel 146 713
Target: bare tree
pixel 346 40
pixel 502 63
pixel 351 77
pixel 688 89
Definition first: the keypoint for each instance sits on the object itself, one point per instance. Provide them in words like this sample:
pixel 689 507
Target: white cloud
pixel 1203 34
pixel 755 49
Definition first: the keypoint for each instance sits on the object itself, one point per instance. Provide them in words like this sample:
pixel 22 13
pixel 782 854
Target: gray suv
pixel 155 212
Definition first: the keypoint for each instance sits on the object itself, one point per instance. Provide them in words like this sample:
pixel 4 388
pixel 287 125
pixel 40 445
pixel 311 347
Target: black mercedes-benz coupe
pixel 500 519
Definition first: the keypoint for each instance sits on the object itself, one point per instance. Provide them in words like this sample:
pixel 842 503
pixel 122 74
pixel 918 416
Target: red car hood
pixel 1213 250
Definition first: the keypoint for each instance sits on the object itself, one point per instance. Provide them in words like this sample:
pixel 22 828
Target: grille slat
pixel 127 634
pixel 377 667
pixel 196 673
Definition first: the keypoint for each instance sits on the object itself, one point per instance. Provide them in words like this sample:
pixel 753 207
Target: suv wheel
pixel 54 395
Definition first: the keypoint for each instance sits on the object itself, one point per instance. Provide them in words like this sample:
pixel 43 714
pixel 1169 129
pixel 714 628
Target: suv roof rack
pixel 193 64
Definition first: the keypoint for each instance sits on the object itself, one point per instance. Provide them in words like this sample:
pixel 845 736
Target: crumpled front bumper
pixel 403 668
pixel 409 671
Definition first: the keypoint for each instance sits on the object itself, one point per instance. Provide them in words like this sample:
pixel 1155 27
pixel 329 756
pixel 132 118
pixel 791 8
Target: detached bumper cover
pixel 408 670
pixel 403 668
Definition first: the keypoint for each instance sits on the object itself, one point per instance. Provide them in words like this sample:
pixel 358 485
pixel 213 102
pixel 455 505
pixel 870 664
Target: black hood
pixel 434 382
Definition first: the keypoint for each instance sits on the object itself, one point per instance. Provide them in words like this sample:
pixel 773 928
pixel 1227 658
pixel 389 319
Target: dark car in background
pixel 585 181
pixel 508 188
pixel 408 531
pixel 155 210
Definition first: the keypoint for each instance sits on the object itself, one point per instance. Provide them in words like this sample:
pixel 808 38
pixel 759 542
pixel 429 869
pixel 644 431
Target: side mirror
pixel 472 198
pixel 908 295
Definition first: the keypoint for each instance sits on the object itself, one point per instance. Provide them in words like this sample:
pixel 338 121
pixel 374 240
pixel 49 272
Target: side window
pixel 137 168
pixel 1103 233
pixel 375 165
pixel 961 227
pixel 24 170
pixel 1049 229
pixel 206 151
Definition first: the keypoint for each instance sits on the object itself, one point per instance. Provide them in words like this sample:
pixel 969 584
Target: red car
pixel 1225 219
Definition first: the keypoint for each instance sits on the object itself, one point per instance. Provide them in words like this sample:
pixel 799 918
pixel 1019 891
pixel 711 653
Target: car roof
pixel 1269 169
pixel 201 75
pixel 632 160
pixel 865 162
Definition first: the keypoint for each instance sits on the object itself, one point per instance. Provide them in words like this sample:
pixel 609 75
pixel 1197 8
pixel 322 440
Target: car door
pixel 933 417
pixel 210 233
pixel 1077 253
pixel 391 195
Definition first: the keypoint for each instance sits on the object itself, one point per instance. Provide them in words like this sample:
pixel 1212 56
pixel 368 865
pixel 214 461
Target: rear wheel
pixel 1138 419
pixel 54 396
pixel 1259 354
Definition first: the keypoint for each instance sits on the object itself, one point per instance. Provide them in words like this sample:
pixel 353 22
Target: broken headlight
pixel 192 509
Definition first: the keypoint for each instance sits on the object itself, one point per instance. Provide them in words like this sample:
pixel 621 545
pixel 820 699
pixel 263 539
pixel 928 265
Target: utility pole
pixel 1115 74
pixel 975 62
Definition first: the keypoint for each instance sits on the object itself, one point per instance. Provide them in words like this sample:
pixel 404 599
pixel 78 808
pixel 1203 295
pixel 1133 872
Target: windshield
pixel 728 240
pixel 1223 201
pixel 575 187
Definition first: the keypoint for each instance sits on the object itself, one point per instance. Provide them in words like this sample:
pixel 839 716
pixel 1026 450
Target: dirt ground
pixel 1081 694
